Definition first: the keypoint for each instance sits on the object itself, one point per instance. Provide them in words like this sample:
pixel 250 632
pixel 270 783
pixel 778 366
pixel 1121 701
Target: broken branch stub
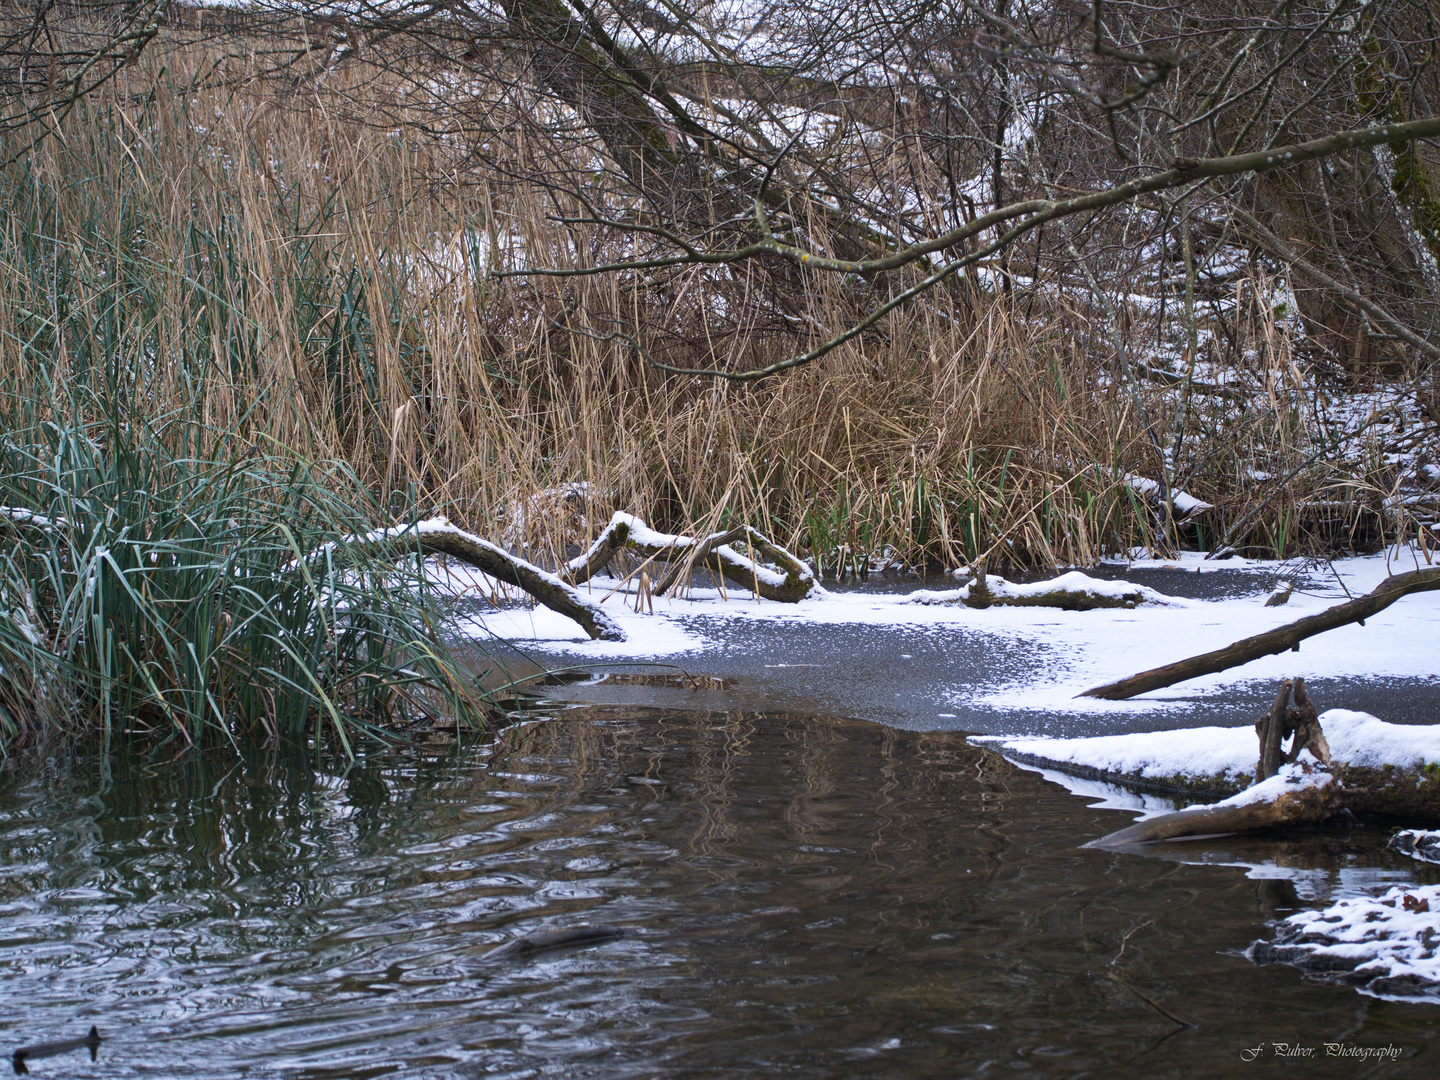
pixel 438 537
pixel 1273 641
pixel 789 582
pixel 1305 723
pixel 1272 729
pixel 1299 723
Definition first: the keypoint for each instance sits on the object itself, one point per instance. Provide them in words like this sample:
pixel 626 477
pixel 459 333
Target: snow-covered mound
pixel 1219 756
pixel 1385 946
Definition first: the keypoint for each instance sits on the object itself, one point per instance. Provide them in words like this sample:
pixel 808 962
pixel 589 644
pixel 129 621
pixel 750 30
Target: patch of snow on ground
pixel 645 638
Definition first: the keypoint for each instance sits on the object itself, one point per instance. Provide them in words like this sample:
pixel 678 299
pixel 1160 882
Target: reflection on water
pixel 810 898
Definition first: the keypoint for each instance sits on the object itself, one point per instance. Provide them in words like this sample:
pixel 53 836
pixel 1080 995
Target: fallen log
pixel 789 582
pixel 1294 796
pixel 1273 641
pixel 437 536
pixel 1286 791
pixel 1068 592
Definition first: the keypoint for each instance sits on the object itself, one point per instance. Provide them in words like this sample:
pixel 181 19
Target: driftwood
pixel 1298 798
pixel 1294 804
pixel 1300 723
pixel 790 582
pixel 438 537
pixel 1068 592
pixel 1273 641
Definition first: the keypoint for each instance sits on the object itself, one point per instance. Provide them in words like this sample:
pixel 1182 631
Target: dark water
pixel 810 898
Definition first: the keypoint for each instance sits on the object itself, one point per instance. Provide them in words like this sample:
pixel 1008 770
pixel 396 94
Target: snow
pixel 1080 649
pixel 643 535
pixel 440 526
pixel 1186 505
pixel 1297 776
pixel 1387 943
pixel 1075 581
pixel 21 516
pixel 1355 738
pixel 1422 845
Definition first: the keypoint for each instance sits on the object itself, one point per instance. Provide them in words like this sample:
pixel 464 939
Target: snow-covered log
pixel 1298 794
pixel 436 536
pixel 788 581
pixel 1391 770
pixel 1273 641
pixel 1069 592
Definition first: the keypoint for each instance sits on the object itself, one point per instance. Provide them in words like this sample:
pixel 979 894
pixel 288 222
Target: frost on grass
pixel 1385 946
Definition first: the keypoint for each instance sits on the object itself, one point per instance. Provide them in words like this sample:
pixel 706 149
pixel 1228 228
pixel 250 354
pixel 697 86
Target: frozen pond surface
pixel 807 897
pixel 1005 671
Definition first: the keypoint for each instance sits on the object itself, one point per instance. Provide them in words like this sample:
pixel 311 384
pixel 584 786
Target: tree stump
pixel 1300 723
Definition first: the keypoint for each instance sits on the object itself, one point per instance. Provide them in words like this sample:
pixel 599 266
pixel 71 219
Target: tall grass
pixel 300 280
pixel 153 590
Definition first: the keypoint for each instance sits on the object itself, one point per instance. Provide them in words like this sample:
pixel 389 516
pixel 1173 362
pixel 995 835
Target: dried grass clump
pixel 309 282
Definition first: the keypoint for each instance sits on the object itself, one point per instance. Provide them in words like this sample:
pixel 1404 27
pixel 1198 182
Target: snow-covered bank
pixel 1386 946
pixel 1221 758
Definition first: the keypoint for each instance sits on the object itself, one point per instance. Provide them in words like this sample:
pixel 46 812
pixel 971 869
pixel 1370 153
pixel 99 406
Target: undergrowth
pixel 210 241
pixel 150 587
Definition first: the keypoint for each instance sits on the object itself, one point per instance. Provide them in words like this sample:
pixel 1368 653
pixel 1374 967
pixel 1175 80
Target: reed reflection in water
pixel 808 897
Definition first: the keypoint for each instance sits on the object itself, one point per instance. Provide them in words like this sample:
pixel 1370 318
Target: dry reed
pixel 320 283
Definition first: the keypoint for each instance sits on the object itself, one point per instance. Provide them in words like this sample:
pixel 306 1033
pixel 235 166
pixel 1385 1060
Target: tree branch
pixel 1273 641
